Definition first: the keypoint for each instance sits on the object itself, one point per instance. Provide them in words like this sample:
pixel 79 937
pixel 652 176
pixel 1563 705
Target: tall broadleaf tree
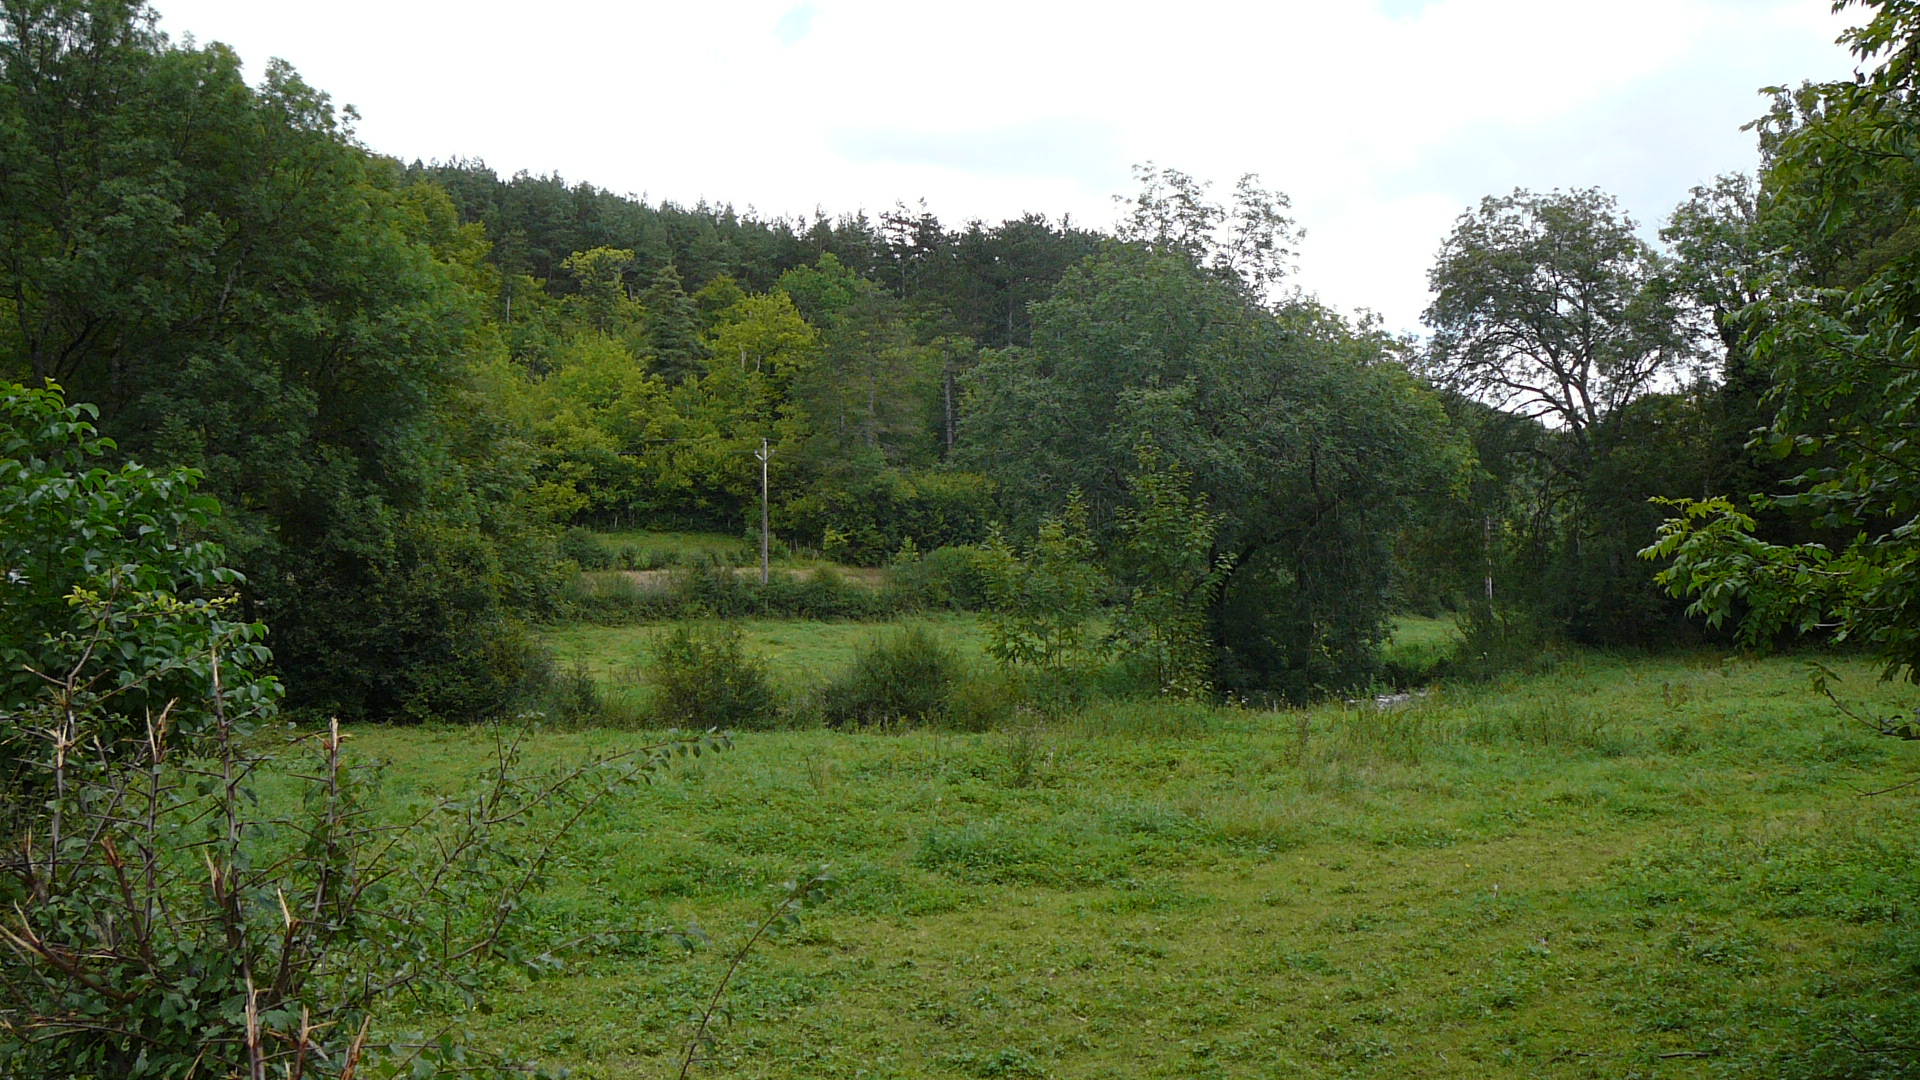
pixel 1550 307
pixel 1306 435
pixel 243 289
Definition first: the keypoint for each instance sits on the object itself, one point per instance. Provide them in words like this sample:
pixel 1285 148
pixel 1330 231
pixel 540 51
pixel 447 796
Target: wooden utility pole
pixel 1487 522
pixel 763 455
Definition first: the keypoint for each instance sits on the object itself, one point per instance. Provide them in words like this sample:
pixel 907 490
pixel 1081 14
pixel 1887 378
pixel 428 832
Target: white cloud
pixel 1382 120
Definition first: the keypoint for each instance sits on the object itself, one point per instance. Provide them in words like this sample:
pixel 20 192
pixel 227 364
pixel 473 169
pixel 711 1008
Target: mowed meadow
pixel 1621 866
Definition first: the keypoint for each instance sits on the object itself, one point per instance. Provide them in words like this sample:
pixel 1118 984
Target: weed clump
pixel 907 679
pixel 703 677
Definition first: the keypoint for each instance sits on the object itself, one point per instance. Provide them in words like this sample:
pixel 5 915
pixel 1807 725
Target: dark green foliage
pixel 565 696
pixel 149 905
pixel 587 551
pixel 703 592
pixel 674 349
pixel 1302 432
pixel 903 680
pixel 946 578
pixel 1550 306
pixel 243 289
pixel 864 521
pixel 1842 350
pixel 702 677
pixel 1496 639
pixel 981 277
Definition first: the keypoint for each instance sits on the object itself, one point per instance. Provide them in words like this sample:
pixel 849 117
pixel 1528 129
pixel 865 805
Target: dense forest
pixel 401 382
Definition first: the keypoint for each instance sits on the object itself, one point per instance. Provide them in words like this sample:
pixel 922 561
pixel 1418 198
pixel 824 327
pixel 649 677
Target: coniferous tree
pixel 674 350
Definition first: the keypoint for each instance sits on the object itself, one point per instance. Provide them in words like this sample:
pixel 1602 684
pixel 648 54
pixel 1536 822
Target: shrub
pixel 948 578
pixel 1042 598
pixel 703 677
pixel 585 548
pixel 104 587
pixel 908 678
pixel 1496 640
pixel 868 520
pixel 984 701
pixel 567 696
pixel 155 863
pixel 1166 555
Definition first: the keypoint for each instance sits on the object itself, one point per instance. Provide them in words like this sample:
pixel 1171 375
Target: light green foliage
pixel 588 415
pixel 620 440
pixel 714 299
pixel 766 335
pixel 1565 876
pixel 1713 557
pixel 822 291
pixel 107 587
pixel 600 298
pixel 1042 595
pixel 1173 575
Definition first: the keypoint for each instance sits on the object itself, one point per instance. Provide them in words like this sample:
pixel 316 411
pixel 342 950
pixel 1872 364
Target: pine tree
pixel 673 328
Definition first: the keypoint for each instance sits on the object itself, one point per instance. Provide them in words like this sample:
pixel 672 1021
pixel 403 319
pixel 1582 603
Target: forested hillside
pixel 402 382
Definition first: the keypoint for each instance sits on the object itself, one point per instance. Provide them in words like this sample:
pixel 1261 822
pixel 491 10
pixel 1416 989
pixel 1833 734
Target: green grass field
pixel 1625 867
pixel 801 652
pixel 1419 644
pixel 679 543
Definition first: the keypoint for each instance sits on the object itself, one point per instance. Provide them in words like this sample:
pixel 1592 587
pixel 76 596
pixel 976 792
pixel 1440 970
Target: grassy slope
pixel 1650 868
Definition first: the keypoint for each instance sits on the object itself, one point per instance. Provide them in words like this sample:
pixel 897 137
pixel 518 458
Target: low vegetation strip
pixel 1654 868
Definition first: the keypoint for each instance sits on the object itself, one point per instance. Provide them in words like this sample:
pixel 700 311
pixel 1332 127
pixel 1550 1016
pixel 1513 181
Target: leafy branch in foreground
pixel 1844 355
pixel 783 914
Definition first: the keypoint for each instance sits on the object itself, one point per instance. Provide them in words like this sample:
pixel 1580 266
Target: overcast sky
pixel 1382 119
